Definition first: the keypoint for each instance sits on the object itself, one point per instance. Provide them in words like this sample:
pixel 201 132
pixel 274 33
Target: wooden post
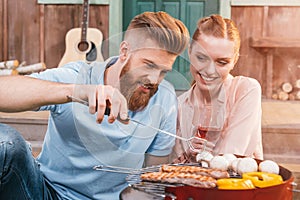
pixel 269 74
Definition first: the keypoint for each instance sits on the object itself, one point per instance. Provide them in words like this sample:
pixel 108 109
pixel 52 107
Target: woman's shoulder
pixel 184 96
pixel 245 86
pixel 244 81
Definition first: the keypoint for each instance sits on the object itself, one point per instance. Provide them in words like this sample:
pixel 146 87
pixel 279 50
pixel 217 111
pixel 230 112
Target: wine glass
pixel 207 128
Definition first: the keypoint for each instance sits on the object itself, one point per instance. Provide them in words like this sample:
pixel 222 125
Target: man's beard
pixel 137 100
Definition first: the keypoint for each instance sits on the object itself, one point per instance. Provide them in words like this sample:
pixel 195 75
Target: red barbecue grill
pixel 152 190
pixel 278 192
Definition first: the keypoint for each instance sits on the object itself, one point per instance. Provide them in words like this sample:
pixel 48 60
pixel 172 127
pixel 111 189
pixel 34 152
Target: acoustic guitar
pixel 83 43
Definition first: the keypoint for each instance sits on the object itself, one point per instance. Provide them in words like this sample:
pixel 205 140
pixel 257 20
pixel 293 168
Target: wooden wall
pixel 33 32
pixel 279 22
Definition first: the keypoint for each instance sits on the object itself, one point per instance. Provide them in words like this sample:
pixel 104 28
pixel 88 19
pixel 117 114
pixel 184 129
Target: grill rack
pixel 158 189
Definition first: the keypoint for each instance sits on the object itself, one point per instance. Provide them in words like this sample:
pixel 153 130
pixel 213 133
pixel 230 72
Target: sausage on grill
pixel 215 173
pixel 178 177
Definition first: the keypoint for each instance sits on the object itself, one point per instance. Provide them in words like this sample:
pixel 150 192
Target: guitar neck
pixel 85 20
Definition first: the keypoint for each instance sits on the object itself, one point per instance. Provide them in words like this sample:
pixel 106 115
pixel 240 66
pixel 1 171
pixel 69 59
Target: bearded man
pixel 131 85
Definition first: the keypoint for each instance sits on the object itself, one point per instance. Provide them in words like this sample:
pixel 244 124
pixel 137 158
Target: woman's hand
pixel 183 158
pixel 199 145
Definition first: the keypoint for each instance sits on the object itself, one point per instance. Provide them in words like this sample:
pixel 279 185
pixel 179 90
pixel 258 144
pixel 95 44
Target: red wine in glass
pixel 202 131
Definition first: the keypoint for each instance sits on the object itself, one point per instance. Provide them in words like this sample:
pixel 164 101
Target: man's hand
pixel 101 96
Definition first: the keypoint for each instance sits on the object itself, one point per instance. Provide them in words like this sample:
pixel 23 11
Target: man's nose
pixel 154 77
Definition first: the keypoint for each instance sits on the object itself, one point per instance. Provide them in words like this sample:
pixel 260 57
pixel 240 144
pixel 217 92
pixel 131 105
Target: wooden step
pixel 283 158
pixel 32 125
pixel 36 147
pixel 281 130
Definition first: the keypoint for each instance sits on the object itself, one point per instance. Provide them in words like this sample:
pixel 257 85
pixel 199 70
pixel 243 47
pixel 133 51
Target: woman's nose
pixel 211 68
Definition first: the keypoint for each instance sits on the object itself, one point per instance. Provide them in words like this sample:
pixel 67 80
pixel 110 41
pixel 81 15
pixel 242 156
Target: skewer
pixel 126 170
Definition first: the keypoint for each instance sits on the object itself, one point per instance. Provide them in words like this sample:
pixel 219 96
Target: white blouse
pixel 240 111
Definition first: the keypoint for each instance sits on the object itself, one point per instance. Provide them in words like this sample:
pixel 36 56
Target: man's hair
pixel 217 26
pixel 169 33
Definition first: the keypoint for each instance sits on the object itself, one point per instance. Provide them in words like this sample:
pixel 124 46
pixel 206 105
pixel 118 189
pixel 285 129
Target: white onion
pixel 247 165
pixel 234 164
pixel 219 162
pixel 229 157
pixel 204 156
pixel 269 166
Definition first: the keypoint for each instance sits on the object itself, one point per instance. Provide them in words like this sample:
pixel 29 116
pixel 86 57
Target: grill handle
pixel 294 185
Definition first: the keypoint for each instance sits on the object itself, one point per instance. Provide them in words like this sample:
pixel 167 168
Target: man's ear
pixel 124 49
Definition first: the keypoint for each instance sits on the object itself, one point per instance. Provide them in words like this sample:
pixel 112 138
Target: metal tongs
pixel 187 140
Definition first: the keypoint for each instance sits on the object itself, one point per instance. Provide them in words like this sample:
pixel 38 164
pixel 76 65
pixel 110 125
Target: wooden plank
pixel 265 3
pixel 114 15
pixel 280 125
pixel 283 22
pixel 41 116
pixel 5 30
pixel 282 128
pixel 72 2
pixel 265 21
pixel 292 167
pixel 32 126
pixel 36 147
pixel 275 42
pixel 1 28
pixel 268 44
pixel 99 19
pixel 282 157
pixel 37 32
pixel 250 24
pixel 269 74
pixel 266 26
pixel 282 147
pixel 42 33
pixel 59 19
pixel 23 31
pixel 280 113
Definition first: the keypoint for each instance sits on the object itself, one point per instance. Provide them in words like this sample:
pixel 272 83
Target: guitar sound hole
pixel 83 46
pixel 92 54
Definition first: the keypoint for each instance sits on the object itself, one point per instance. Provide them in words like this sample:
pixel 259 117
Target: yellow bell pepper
pixel 234 184
pixel 263 179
